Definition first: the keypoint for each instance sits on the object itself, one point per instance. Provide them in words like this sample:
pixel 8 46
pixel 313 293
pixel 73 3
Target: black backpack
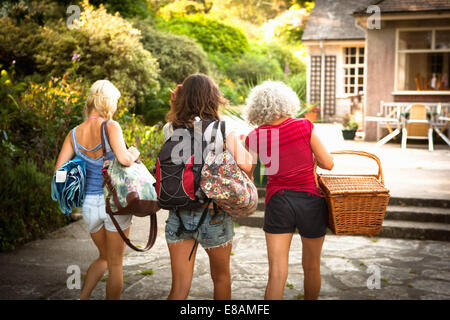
pixel 178 172
pixel 178 169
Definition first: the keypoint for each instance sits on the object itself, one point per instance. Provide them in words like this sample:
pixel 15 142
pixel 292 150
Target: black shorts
pixel 289 209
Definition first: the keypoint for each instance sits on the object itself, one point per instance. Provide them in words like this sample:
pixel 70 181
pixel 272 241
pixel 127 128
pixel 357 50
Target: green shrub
pixel 19 42
pixel 178 56
pixel 254 66
pixel 298 83
pixel 108 47
pixel 155 105
pixel 127 8
pixel 147 139
pixel 284 56
pixel 27 211
pixel 213 35
pixel 43 115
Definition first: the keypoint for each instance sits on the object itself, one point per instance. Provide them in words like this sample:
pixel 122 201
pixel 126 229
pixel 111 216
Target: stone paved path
pixel 409 269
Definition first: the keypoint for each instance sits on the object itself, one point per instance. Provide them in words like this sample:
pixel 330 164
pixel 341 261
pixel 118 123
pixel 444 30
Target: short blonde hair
pixel 103 97
pixel 270 101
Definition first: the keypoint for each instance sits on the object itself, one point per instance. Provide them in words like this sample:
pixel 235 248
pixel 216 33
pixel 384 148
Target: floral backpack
pixel 225 183
pixel 128 190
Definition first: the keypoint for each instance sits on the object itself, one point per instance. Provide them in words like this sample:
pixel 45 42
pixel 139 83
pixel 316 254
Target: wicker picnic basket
pixel 356 203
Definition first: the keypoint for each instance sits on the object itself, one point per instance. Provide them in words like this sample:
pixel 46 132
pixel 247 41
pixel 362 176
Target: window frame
pixel 432 50
pixel 356 66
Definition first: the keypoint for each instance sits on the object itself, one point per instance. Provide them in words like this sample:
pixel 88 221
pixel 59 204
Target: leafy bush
pixel 42 115
pixel 19 42
pixel 253 66
pixel 298 83
pixel 178 56
pixel 147 139
pixel 27 211
pixel 284 56
pixel 127 8
pixel 108 47
pixel 213 35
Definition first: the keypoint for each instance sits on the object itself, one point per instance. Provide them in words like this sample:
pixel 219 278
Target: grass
pixel 410 286
pixel 413 271
pixel 146 272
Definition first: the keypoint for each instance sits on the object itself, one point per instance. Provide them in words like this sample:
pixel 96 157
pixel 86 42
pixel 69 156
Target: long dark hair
pixel 199 96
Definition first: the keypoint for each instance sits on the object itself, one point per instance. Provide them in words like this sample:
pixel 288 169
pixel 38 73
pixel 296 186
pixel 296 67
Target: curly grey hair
pixel 270 101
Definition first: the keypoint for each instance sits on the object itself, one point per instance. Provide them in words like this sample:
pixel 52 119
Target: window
pixel 423 60
pixel 353 70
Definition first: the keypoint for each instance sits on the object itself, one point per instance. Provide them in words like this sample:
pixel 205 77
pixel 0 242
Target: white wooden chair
pixel 417 126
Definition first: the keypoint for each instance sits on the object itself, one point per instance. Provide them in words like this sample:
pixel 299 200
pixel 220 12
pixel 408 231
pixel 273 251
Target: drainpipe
pixel 322 80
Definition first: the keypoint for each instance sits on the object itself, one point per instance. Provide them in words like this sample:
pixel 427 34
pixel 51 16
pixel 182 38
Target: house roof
pixel 406 6
pixel 333 20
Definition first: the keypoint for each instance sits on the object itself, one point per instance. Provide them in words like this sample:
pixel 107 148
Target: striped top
pixel 285 151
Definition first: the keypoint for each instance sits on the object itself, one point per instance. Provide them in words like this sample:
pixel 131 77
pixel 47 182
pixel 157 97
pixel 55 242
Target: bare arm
pixel 241 155
pixel 323 157
pixel 124 155
pixel 66 152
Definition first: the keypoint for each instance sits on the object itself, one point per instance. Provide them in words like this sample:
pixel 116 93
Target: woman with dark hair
pixel 198 99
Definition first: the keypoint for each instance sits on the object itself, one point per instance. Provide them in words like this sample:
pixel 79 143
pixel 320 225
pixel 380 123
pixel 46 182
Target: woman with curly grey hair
pixel 292 200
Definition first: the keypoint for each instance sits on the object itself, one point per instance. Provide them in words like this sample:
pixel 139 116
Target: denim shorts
pixel 215 231
pixel 95 216
pixel 288 210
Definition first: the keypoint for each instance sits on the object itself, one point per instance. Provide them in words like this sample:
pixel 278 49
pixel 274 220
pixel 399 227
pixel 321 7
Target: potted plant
pixel 309 112
pixel 349 127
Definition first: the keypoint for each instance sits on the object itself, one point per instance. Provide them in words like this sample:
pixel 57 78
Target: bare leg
pixel 312 249
pixel 278 246
pixel 115 247
pixel 98 267
pixel 219 261
pixel 182 268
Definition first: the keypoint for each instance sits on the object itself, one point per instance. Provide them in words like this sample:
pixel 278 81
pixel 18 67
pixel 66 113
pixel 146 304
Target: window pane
pixel 361 51
pixel 442 39
pixel 361 60
pixel 360 80
pixel 352 60
pixel 423 71
pixel 360 70
pixel 353 50
pixel 352 71
pixel 414 40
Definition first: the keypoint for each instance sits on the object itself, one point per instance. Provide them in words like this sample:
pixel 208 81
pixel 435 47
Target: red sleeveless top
pixel 285 151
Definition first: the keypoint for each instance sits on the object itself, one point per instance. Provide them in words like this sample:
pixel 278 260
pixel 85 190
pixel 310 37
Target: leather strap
pixel 152 235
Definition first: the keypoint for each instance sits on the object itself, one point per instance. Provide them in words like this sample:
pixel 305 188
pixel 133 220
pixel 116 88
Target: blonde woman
pixel 85 141
pixel 288 147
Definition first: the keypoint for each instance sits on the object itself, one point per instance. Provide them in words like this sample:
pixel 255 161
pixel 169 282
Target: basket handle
pixel 358 153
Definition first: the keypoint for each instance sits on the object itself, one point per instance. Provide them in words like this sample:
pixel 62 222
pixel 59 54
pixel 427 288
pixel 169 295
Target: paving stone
pixel 432 286
pixel 345 262
pixel 436 274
